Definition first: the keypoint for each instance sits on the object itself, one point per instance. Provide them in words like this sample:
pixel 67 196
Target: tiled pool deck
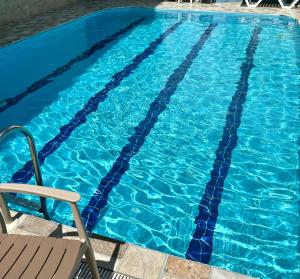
pixel 124 258
pixel 121 257
pixel 18 30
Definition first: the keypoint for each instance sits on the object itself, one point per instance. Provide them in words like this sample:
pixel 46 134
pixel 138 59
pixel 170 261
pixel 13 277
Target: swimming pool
pixel 180 130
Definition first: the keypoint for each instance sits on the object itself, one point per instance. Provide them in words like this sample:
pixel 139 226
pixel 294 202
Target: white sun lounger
pixel 283 6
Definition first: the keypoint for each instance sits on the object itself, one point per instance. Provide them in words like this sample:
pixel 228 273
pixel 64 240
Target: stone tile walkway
pixel 18 30
pixel 124 258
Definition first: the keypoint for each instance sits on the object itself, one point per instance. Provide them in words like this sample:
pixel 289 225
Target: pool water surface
pixel 180 130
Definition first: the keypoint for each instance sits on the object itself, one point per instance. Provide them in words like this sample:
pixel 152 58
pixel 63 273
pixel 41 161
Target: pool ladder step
pixel 15 129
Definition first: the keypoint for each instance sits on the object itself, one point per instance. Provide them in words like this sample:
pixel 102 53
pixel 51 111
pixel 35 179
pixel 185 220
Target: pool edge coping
pixel 133 260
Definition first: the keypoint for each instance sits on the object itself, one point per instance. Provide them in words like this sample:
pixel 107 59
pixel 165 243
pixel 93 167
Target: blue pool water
pixel 180 130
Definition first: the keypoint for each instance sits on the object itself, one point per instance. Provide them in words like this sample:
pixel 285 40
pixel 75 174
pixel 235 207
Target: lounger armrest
pixel 41 191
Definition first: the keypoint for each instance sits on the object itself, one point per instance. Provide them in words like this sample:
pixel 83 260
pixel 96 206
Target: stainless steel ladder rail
pixel 35 162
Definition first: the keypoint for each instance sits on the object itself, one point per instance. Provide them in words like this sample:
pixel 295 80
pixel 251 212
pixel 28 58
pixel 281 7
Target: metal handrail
pixel 35 162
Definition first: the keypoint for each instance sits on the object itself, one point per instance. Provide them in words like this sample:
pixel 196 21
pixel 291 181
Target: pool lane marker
pixel 26 172
pixel 9 102
pixel 201 245
pixel 98 201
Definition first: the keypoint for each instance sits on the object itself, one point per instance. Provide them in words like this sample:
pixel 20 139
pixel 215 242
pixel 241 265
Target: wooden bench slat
pixel 25 258
pixel 2 236
pixel 54 259
pixel 71 257
pixel 39 259
pixel 6 245
pixel 13 254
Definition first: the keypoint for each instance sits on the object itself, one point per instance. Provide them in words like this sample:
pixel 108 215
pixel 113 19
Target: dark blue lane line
pixel 26 172
pixel 201 245
pixel 98 201
pixel 6 103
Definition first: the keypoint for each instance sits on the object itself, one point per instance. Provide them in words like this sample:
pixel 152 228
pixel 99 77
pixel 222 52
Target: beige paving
pixel 142 263
pixel 17 231
pixel 124 258
pixel 104 246
pixel 217 273
pixel 167 276
pixel 36 226
pixel 109 248
pixel 186 269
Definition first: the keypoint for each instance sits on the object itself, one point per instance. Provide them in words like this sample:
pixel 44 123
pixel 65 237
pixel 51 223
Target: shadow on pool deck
pixel 97 240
